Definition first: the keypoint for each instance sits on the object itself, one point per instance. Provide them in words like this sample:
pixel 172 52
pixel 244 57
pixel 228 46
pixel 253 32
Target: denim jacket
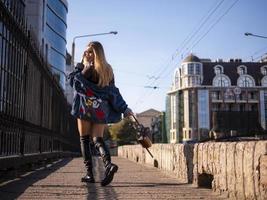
pixel 94 103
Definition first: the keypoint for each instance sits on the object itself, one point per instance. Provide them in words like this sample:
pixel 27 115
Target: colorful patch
pixel 89 102
pixel 81 110
pixel 89 93
pixel 100 114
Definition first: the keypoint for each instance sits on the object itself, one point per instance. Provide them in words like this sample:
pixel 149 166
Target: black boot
pixel 87 156
pixel 111 168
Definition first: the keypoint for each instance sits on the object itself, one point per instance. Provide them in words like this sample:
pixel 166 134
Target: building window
pixel 264 70
pixel 252 107
pixel 216 95
pixel 242 69
pixel 229 95
pixel 245 81
pixel 252 96
pixel 192 107
pixel 197 69
pixel 176 79
pixel 218 69
pixel 190 68
pixel 173 111
pixel 59 8
pixel 203 109
pixel 221 80
pixel 184 134
pixel 193 81
pixel 265 106
pixel 189 134
pixel 43 16
pixel 243 96
pixel 264 81
pixel 215 107
pixel 185 82
pixel 183 69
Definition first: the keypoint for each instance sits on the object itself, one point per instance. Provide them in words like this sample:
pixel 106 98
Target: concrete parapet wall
pixel 237 169
pixel 176 159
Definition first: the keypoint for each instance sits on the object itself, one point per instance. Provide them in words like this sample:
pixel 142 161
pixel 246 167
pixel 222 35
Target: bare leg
pixel 84 127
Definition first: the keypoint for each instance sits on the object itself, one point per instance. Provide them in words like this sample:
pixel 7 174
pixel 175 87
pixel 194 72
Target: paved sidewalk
pixel 133 181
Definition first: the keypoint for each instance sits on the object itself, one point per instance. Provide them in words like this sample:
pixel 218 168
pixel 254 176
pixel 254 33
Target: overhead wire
pixel 255 53
pixel 214 24
pixel 212 11
pixel 190 36
pixel 258 58
pixel 198 39
pixel 202 22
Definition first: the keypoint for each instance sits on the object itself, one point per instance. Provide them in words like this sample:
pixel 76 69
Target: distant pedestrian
pixel 97 102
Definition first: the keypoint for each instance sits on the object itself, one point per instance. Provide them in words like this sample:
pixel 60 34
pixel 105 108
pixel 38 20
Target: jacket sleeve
pixel 77 69
pixel 116 100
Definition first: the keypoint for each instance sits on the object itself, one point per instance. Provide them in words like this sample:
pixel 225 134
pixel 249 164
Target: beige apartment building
pixel 220 98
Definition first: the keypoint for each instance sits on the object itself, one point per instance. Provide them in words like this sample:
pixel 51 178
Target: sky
pixel 154 36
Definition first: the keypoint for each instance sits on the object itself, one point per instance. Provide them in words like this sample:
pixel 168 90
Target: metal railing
pixel 34 114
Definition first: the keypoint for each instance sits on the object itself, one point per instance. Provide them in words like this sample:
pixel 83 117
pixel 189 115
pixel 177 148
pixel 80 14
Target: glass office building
pixel 55 34
pixel 48 22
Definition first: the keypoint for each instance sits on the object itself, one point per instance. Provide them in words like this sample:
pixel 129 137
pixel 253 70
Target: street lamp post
pixel 81 36
pixel 251 34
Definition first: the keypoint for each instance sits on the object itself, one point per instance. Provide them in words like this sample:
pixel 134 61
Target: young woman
pixel 96 102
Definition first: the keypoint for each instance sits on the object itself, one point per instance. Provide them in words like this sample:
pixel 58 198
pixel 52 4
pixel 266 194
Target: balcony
pixel 216 97
pixel 216 100
pixel 254 100
pixel 229 99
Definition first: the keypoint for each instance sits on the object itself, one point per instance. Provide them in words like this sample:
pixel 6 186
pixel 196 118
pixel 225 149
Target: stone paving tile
pixel 133 181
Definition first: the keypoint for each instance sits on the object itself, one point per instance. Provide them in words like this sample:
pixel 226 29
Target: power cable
pixel 260 57
pixel 213 25
pixel 199 28
pixel 255 53
pixel 193 34
pixel 211 11
pixel 216 22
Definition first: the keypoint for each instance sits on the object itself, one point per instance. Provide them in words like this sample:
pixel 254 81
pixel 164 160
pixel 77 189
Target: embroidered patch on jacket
pixel 100 114
pixel 89 92
pixel 81 110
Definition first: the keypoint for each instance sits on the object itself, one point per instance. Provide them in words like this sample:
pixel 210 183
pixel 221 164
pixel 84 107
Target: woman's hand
pixel 128 112
pixel 86 70
pixel 88 61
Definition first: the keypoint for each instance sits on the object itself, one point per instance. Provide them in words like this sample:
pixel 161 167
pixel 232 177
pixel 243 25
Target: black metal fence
pixel 34 114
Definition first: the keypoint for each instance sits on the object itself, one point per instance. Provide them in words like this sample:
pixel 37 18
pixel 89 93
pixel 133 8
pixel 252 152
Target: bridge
pixel 39 142
pixel 236 170
pixel 61 180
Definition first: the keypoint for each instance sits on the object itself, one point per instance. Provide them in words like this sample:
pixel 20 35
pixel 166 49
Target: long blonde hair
pixel 101 65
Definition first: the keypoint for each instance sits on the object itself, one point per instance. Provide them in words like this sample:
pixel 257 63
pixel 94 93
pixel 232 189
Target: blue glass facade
pixel 55 34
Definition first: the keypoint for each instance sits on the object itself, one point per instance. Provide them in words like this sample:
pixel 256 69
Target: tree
pixel 107 134
pixel 123 132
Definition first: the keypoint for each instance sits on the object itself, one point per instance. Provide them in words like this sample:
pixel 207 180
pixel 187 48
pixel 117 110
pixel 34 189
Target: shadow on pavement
pixel 15 187
pixel 95 190
pixel 132 184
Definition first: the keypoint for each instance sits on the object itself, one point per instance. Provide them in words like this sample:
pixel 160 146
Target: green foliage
pixel 107 134
pixel 123 132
